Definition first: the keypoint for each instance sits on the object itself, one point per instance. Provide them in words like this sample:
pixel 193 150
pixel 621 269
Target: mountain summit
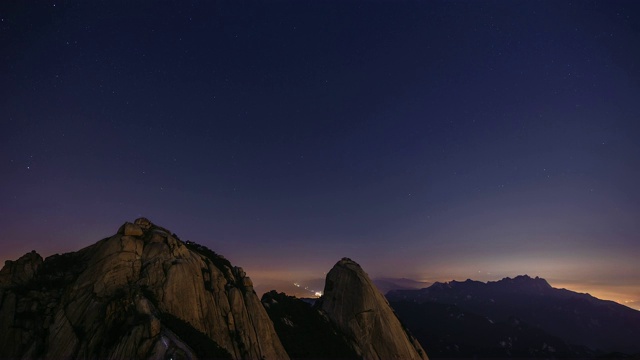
pixel 140 293
pixel 353 303
pixel 525 282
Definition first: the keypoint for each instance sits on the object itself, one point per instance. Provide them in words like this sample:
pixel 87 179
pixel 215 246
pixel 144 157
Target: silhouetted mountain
pixel 575 318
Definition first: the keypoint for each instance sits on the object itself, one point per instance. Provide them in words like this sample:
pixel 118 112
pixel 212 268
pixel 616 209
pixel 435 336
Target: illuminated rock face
pixel 140 293
pixel 361 312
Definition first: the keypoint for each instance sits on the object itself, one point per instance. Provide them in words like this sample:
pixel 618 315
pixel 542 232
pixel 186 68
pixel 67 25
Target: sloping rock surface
pixel 353 303
pixel 141 293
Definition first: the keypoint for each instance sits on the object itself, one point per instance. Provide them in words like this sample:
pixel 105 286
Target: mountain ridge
pixel 578 318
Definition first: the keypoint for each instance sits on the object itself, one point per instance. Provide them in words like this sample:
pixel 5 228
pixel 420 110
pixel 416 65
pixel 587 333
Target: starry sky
pixel 430 140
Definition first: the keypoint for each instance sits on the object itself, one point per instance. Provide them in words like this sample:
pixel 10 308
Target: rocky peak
pixel 139 293
pixel 22 270
pixel 356 307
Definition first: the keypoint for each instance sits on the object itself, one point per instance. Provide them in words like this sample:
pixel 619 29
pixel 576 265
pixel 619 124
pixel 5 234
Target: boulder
pixel 144 223
pixel 129 229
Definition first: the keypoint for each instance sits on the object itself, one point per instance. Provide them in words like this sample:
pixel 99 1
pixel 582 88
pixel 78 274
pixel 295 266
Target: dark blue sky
pixel 433 140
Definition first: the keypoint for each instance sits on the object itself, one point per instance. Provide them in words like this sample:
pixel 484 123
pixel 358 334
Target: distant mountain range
pixel 522 316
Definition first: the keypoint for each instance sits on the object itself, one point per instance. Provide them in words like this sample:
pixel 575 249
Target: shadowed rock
pixel 304 330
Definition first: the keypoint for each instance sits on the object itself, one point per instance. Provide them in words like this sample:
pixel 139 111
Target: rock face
pixel 141 293
pixel 353 303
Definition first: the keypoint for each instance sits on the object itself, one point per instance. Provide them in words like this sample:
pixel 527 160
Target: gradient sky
pixel 431 140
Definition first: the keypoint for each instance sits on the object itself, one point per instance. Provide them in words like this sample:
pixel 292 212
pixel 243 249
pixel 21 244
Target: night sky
pixel 429 140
